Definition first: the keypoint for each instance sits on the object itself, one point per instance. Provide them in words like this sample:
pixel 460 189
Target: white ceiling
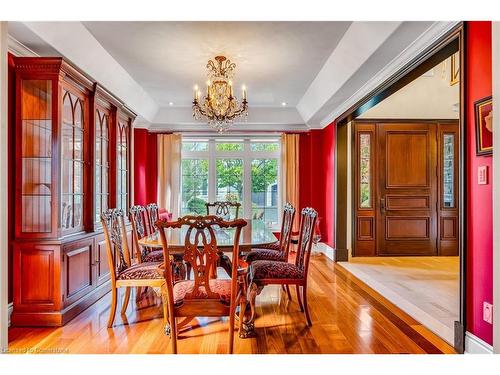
pixel 319 68
pixel 276 60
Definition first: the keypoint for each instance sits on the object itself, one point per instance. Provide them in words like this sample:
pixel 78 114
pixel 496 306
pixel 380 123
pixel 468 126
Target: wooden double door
pixel 405 188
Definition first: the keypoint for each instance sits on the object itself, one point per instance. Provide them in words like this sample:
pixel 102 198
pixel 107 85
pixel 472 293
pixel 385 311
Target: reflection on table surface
pixel 256 232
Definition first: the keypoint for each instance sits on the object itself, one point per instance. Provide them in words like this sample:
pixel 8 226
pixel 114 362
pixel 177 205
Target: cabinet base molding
pixel 59 318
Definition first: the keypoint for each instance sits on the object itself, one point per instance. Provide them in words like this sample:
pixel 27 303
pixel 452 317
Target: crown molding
pixel 18 49
pixel 237 127
pixel 425 40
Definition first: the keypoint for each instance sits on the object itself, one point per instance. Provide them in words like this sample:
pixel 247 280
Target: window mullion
pixel 212 179
pixel 247 180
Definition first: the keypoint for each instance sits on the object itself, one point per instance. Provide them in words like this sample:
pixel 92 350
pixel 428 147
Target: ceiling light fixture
pixel 170 103
pixel 219 107
pixel 283 104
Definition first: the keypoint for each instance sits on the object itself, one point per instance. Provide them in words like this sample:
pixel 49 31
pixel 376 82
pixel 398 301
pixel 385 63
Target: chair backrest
pixel 286 228
pixel 307 223
pixel 115 236
pixel 138 221
pixel 201 251
pixel 152 210
pixel 223 209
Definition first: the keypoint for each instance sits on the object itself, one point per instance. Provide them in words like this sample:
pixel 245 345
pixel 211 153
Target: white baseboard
pixel 10 307
pixel 323 248
pixel 474 345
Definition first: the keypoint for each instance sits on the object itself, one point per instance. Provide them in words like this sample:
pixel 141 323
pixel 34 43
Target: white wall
pixel 428 97
pixel 3 189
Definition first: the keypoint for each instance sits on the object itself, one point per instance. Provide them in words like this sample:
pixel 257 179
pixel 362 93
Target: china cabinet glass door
pixel 72 163
pixel 101 163
pixel 36 156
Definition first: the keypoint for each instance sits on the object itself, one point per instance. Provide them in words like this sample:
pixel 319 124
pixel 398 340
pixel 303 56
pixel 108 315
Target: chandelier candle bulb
pixel 195 92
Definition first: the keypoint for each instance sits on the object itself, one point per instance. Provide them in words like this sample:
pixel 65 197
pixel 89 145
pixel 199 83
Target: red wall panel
pixel 145 167
pixel 479 197
pixel 317 177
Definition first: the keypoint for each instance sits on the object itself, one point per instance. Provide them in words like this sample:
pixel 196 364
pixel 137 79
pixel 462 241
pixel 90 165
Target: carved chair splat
pixel 203 296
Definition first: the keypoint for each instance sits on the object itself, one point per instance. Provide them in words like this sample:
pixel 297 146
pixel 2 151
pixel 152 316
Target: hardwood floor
pixel 426 288
pixel 348 317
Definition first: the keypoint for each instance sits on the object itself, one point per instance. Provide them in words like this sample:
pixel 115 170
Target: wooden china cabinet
pixel 72 158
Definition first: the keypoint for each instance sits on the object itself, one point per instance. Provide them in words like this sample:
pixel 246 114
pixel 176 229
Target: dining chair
pixel 223 209
pixel 204 296
pixel 124 274
pixel 277 250
pixel 270 272
pixel 138 220
pixel 152 213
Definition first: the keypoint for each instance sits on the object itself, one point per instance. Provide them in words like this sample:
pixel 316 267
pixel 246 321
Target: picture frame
pixel 483 110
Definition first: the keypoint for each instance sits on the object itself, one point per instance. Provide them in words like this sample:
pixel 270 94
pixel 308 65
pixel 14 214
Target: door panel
pixel 77 270
pixel 407 186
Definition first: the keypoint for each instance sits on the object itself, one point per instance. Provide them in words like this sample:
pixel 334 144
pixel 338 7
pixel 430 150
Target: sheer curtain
pixel 290 173
pixel 169 172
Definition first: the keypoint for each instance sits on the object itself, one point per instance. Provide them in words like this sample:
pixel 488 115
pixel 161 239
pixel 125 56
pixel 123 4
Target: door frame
pixel 375 183
pixel 451 42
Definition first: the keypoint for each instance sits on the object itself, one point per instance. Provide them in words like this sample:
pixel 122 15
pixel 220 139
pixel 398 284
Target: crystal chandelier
pixel 219 107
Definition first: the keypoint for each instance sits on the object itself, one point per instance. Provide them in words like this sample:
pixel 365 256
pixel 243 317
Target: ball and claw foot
pixel 247 331
pixel 166 329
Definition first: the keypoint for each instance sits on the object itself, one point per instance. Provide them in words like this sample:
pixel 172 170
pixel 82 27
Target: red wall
pixel 317 177
pixel 479 197
pixel 145 167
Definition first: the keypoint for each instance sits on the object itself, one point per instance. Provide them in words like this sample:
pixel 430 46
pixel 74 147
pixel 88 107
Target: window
pixel 240 170
pixel 194 186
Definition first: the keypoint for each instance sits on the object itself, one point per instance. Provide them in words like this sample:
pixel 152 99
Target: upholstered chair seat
pixel 220 286
pixel 268 269
pixel 270 246
pixel 142 271
pixel 264 254
pixel 153 256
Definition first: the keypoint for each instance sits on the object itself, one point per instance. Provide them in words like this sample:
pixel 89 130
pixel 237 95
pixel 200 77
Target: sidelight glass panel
pixel 449 170
pixel 365 196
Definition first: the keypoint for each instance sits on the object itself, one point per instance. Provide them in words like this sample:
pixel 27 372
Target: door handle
pixel 382 205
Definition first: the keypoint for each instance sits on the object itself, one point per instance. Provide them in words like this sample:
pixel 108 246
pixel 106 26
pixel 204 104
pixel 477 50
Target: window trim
pixel 247 155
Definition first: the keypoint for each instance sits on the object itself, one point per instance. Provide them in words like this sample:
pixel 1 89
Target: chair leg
pixel 232 312
pixel 287 287
pixel 306 308
pixel 173 334
pixel 297 289
pixel 138 294
pixel 166 323
pixel 112 311
pixel 125 300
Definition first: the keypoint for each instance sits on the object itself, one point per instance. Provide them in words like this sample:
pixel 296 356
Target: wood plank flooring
pixel 426 288
pixel 348 317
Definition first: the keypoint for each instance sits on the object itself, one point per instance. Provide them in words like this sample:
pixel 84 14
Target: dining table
pixel 255 233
